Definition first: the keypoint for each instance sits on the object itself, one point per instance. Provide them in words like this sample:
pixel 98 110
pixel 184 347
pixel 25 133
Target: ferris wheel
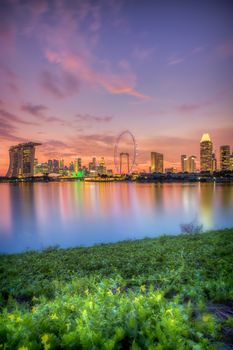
pixel 125 152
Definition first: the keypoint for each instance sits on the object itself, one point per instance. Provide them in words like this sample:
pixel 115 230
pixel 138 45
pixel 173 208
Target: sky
pixel 75 74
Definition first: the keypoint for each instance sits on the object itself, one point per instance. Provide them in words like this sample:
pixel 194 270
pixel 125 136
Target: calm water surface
pixel 34 216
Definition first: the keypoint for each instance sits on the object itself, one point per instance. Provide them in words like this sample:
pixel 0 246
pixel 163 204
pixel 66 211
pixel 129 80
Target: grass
pixel 171 292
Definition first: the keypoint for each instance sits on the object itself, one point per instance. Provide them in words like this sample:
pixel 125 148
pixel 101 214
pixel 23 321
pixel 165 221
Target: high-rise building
pixel 35 166
pixel 22 158
pixel 101 169
pixel 55 165
pixel 188 164
pixel 191 164
pixel 214 162
pixel 79 163
pixel 225 157
pixel 76 165
pixel 183 157
pixel 61 164
pixel 231 162
pixel 50 165
pixel 156 162
pixel 206 150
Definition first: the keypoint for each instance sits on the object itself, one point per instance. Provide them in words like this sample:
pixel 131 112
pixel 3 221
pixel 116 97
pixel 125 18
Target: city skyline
pixel 24 163
pixel 74 75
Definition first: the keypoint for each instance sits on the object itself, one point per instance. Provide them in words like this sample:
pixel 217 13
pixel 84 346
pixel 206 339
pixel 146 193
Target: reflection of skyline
pixel 69 213
pixel 206 204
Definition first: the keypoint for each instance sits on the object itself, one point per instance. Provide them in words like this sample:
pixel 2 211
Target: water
pixel 35 216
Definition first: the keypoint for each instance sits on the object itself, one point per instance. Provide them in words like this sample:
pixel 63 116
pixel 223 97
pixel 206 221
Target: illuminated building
pixel 35 166
pixel 191 164
pixel 101 169
pixel 55 166
pixel 50 165
pixel 79 164
pixel 122 156
pixel 214 162
pixel 92 165
pixel 188 164
pixel 61 164
pixel 206 150
pixel 156 162
pixel 71 166
pixel 183 157
pixel 231 162
pixel 22 158
pixel 225 157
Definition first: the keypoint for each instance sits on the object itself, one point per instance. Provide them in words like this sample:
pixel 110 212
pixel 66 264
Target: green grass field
pixel 171 292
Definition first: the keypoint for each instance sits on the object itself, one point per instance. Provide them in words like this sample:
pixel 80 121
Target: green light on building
pixel 77 174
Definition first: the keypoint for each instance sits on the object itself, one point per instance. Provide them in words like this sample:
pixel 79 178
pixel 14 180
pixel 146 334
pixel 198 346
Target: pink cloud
pixel 79 67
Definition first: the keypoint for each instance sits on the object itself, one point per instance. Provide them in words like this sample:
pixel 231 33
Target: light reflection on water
pixel 34 216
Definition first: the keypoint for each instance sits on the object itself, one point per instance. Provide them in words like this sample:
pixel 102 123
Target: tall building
pixel 156 162
pixel 183 157
pixel 101 169
pixel 55 165
pixel 79 163
pixel 214 162
pixel 61 164
pixel 231 162
pixel 50 165
pixel 22 158
pixel 206 150
pixel 188 164
pixel 225 157
pixel 191 164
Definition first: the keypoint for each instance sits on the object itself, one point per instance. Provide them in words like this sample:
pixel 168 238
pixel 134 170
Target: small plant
pixel 191 228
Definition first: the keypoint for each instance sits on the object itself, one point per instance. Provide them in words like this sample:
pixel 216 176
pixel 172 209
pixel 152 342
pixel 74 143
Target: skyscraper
pixel 191 164
pixel 22 160
pixel 225 157
pixel 156 162
pixel 214 162
pixel 188 164
pixel 206 150
pixel 231 162
pixel 183 157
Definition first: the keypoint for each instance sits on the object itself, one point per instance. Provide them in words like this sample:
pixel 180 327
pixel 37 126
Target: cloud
pixel 175 60
pixel 92 118
pixel 35 110
pixel 13 118
pixel 60 86
pixel 187 108
pixel 79 67
pixel 8 131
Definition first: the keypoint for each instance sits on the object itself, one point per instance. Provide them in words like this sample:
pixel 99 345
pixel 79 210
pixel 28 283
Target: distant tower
pixel 122 156
pixel 225 156
pixel 22 159
pixel 156 162
pixel 192 164
pixel 214 162
pixel 206 150
pixel 231 162
pixel 183 157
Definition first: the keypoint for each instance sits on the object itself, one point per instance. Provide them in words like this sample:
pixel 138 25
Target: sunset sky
pixel 74 74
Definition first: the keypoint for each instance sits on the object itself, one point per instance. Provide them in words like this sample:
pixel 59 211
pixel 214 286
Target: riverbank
pixel 171 292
